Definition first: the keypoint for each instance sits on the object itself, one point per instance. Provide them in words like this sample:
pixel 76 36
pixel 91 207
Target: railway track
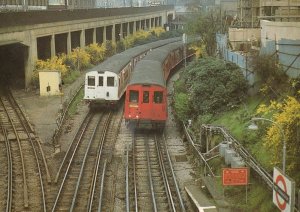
pixel 153 186
pixel 5 173
pixel 81 174
pixel 105 184
pixel 25 161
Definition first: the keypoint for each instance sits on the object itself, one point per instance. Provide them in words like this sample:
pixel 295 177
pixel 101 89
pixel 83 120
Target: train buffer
pixel 201 202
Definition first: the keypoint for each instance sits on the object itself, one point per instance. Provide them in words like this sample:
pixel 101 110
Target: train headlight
pixel 137 116
pixel 129 116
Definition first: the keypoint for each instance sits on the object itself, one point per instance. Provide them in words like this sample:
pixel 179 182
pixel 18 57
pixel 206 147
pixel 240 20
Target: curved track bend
pixel 25 161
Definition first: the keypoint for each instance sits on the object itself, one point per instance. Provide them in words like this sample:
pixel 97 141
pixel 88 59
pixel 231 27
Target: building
pixel 250 12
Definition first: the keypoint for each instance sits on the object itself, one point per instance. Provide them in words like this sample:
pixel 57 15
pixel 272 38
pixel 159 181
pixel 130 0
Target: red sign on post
pixel 235 176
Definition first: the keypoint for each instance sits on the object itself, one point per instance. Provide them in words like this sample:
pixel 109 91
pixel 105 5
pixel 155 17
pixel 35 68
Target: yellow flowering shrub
pixel 141 34
pixel 287 115
pixel 96 52
pixel 55 64
pixel 78 59
pixel 129 41
pixel 158 31
pixel 197 49
pixel 110 47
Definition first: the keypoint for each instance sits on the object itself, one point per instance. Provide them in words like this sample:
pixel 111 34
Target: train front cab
pixel 146 106
pixel 102 89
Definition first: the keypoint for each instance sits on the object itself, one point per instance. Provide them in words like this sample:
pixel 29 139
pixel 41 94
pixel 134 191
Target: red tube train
pixel 146 94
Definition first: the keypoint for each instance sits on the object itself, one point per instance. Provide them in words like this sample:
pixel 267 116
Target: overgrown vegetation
pixel 206 25
pixel 81 59
pixel 286 113
pixel 273 79
pixel 214 92
pixel 73 107
pixel 207 87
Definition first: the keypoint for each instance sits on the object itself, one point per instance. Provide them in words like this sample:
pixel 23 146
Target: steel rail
pixel 164 175
pixel 150 177
pixel 101 190
pixel 84 161
pixel 31 131
pixel 134 171
pixel 127 179
pixel 97 163
pixel 173 175
pixel 64 114
pixel 26 121
pixel 9 172
pixel 25 186
pixel 83 126
pixel 114 139
pixel 25 124
pixel 70 161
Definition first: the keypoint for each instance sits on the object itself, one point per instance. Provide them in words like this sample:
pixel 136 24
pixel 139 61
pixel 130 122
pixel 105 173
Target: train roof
pixel 148 72
pixel 118 61
pixel 161 53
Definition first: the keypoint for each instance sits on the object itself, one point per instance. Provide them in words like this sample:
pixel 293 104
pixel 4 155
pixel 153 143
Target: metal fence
pixel 242 60
pixel 287 51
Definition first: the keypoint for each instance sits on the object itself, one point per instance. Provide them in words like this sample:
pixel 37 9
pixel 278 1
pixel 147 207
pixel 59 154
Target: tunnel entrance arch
pixel 13 59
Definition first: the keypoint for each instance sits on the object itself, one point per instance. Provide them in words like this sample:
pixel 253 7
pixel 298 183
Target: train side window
pixel 110 81
pixel 146 97
pixel 100 81
pixel 91 81
pixel 158 96
pixel 133 96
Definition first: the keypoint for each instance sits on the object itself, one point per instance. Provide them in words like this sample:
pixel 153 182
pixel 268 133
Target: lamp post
pixel 184 40
pixel 253 126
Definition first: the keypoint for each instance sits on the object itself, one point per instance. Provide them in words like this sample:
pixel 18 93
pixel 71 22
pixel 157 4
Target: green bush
pixel 181 106
pixel 214 85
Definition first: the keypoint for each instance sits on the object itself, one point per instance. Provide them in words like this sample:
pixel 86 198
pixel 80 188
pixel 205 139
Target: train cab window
pixel 110 81
pixel 100 81
pixel 133 96
pixel 158 97
pixel 146 97
pixel 91 81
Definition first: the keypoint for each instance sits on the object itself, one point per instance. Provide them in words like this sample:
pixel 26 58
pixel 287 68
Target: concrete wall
pixel 243 35
pixel 26 28
pixel 279 30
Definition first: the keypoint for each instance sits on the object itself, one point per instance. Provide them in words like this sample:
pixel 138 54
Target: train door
pixel 158 105
pixel 99 89
pixel 131 103
pixel 89 91
pixel 110 85
pixel 145 105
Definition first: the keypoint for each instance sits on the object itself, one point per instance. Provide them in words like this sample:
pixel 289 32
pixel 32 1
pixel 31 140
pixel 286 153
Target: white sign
pixel 283 191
